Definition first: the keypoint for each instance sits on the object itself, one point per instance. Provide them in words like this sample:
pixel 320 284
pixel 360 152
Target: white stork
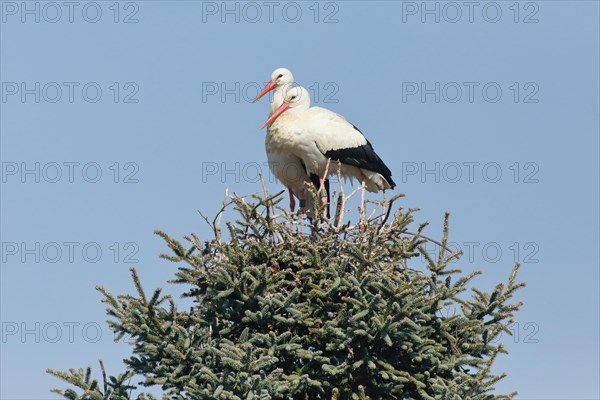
pixel 281 80
pixel 287 167
pixel 316 135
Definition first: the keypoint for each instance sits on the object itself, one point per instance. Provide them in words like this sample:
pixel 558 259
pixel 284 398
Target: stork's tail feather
pixel 374 182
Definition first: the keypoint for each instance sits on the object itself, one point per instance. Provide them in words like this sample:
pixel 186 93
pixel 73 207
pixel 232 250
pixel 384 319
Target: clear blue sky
pixel 518 96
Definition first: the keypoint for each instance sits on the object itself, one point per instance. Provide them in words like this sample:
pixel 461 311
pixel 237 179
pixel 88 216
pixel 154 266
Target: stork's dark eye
pixel 280 75
pixel 293 97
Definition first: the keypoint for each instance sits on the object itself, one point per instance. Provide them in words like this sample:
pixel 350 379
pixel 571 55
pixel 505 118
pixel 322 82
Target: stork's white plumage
pixel 284 165
pixel 316 135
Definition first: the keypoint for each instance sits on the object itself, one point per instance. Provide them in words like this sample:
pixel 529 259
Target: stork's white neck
pixel 278 96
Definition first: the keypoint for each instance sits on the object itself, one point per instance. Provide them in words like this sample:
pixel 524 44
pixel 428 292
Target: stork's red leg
pixel 292 207
pixel 324 196
pixel 292 200
pixel 322 186
pixel 302 211
pixel 302 203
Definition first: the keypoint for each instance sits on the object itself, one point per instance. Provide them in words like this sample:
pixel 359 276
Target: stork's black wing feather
pixel 362 157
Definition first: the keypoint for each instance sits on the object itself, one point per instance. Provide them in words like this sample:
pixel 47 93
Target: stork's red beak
pixel 270 86
pixel 282 108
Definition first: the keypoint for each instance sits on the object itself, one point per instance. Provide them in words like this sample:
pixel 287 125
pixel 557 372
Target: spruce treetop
pixel 316 311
